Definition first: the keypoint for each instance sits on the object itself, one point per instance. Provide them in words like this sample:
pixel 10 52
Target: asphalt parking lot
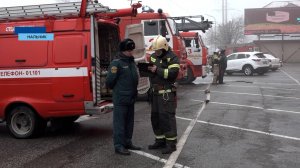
pixel 249 122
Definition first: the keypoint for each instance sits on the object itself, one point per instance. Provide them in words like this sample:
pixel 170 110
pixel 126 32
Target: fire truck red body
pixel 59 79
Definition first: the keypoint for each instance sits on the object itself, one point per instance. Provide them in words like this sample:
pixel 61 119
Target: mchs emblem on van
pixel 10 29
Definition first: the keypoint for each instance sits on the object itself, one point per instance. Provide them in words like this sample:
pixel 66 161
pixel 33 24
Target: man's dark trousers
pixel 221 76
pixel 163 115
pixel 123 115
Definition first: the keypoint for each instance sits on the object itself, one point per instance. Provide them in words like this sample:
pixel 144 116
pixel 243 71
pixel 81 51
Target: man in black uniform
pixel 163 107
pixel 123 79
pixel 222 66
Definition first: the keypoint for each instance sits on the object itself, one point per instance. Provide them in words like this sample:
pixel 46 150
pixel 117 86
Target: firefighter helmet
pixel 160 42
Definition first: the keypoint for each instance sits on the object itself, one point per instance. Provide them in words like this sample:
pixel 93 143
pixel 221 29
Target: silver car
pixel 274 62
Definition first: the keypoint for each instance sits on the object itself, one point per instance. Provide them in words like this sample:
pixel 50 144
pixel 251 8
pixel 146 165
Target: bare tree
pixel 230 33
pixel 210 36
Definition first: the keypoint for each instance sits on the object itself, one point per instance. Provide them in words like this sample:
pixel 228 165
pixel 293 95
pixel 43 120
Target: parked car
pixel 248 63
pixel 275 63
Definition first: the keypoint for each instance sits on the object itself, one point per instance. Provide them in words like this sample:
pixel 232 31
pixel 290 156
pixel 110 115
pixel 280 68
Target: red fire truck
pixel 196 55
pixel 162 24
pixel 156 24
pixel 59 79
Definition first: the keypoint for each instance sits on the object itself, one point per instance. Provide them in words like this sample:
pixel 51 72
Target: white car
pixel 248 63
pixel 274 62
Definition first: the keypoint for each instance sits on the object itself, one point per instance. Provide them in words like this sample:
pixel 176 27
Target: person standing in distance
pixel 123 79
pixel 223 66
pixel 165 70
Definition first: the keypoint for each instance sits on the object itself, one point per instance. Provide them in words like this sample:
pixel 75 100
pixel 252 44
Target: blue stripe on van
pixel 30 30
pixel 35 36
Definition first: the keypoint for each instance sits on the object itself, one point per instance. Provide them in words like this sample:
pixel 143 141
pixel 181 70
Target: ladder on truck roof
pixel 69 9
pixel 188 24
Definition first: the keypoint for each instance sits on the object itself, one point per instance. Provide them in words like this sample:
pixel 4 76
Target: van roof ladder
pixel 62 10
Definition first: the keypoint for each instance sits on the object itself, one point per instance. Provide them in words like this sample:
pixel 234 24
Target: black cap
pixel 126 45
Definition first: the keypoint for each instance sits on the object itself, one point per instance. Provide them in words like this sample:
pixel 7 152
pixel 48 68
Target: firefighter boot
pixel 170 147
pixel 159 144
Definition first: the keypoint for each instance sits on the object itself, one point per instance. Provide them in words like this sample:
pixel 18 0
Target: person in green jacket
pixel 123 78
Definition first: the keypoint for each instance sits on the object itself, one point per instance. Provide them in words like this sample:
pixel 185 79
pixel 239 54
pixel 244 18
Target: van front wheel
pixel 23 122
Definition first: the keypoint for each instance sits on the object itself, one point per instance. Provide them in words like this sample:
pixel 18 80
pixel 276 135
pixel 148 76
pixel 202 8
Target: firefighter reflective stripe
pixel 174 66
pixel 160 137
pixel 164 91
pixel 168 59
pixel 171 139
pixel 166 73
pixel 44 72
pixel 153 59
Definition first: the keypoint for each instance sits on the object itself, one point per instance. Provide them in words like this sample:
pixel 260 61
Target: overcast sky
pixel 173 7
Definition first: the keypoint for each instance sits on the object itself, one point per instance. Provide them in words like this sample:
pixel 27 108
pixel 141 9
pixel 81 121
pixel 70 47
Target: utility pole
pixel 224 12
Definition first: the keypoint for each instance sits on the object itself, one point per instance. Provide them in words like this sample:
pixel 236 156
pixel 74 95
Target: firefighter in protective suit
pixel 123 77
pixel 163 94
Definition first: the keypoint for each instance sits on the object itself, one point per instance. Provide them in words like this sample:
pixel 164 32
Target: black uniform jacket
pixel 123 78
pixel 223 62
pixel 167 69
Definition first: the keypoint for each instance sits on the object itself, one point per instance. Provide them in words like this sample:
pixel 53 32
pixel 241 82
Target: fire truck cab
pixel 155 24
pixel 58 79
pixel 192 65
pixel 196 55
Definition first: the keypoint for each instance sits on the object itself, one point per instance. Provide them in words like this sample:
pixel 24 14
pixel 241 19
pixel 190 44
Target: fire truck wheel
pixel 23 122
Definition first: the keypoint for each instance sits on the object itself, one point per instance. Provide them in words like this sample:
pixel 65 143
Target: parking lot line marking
pixel 259 87
pixel 174 156
pixel 287 84
pixel 256 107
pixel 240 105
pixel 153 157
pixel 263 83
pixel 285 111
pixel 290 77
pixel 243 129
pixel 254 94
